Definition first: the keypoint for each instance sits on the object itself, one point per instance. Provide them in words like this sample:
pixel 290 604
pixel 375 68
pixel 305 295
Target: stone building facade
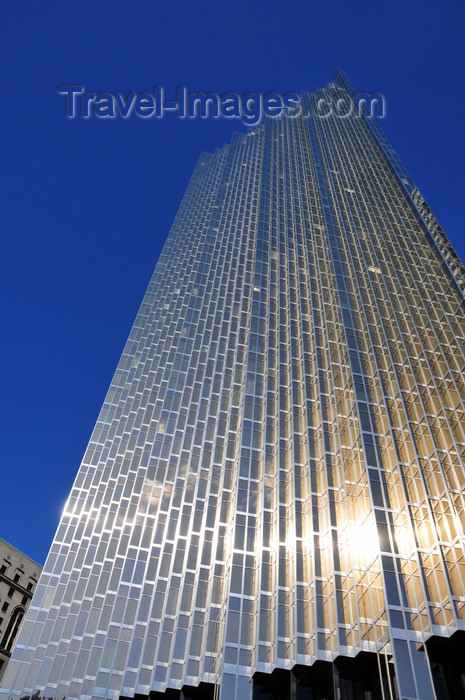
pixel 18 578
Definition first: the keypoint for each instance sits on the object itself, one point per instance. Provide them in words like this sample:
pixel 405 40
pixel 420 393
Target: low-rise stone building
pixel 18 578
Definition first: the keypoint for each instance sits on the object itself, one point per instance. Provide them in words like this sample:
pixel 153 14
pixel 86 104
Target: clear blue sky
pixel 88 204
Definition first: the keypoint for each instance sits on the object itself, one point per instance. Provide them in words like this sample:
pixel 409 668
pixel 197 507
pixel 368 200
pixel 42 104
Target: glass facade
pixel 272 502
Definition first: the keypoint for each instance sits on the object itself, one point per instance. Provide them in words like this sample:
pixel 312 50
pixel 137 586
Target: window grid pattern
pixel 277 472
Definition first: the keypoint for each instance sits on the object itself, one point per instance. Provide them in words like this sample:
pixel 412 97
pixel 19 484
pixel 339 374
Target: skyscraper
pixel 271 504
